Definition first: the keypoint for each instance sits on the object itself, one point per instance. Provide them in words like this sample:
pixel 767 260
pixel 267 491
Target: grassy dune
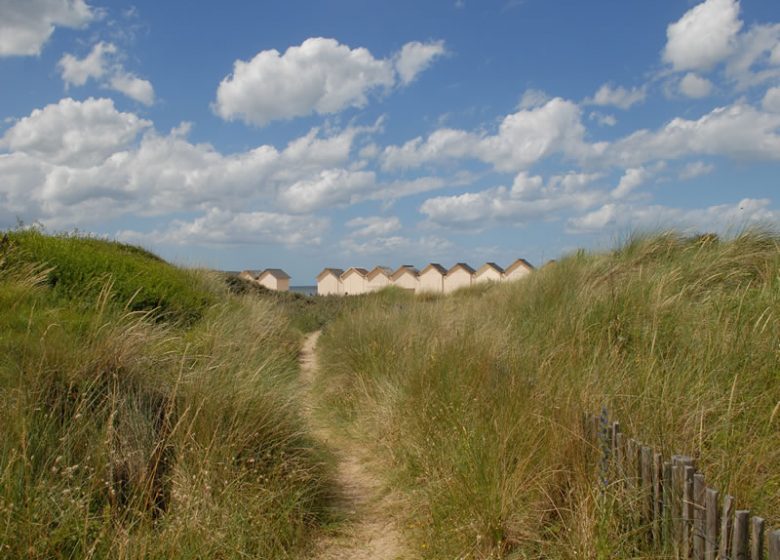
pixel 472 402
pixel 145 412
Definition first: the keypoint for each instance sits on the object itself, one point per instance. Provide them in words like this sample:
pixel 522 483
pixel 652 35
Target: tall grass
pixel 473 401
pixel 124 436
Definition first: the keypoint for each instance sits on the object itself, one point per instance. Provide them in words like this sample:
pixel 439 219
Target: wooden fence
pixel 671 506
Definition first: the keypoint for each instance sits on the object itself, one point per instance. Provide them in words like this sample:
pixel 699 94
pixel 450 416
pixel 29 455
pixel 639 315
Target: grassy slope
pixel 145 412
pixel 474 400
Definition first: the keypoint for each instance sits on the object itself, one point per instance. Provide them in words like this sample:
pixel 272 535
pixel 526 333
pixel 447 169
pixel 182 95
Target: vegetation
pixel 473 402
pixel 145 412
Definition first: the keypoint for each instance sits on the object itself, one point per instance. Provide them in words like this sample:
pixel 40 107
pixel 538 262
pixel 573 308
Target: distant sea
pixel 307 290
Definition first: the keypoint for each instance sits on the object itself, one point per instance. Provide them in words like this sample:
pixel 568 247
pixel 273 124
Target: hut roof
pixel 485 267
pixel 434 266
pixel 253 273
pixel 277 273
pixel 517 264
pixel 377 270
pixel 464 266
pixel 354 269
pixel 403 269
pixel 337 272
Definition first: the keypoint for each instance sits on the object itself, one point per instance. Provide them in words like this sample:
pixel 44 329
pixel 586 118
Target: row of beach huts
pixel 434 278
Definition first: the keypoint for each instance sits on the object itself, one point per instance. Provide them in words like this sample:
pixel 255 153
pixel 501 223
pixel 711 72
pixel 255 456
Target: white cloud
pixel 26 25
pixel 738 131
pixel 74 133
pixel 529 199
pixel 133 87
pixel 618 97
pixel 633 178
pixel 771 101
pixel 101 64
pixel 751 63
pixel 373 226
pixel 705 35
pixel 424 247
pixel 332 187
pixel 774 57
pixel 693 85
pixel 603 119
pixel 696 169
pixel 415 57
pixel 220 227
pixel 523 138
pixel 724 217
pixel 77 71
pixel 319 76
pixel 533 98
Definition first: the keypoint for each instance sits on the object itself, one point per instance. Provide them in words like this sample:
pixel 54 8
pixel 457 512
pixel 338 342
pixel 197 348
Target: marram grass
pixel 473 402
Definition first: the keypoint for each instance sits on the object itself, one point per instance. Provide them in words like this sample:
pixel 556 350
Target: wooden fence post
pixel 667 503
pixel 774 545
pixel 699 490
pixel 620 457
pixel 757 538
pixel 687 511
pixel 646 462
pixel 658 483
pixel 739 540
pixel 711 524
pixel 726 522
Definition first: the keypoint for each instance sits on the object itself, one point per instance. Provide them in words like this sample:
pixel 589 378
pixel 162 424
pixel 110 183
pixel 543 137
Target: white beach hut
pixel 518 269
pixel 353 281
pixel 329 282
pixel 431 279
pixel 378 278
pixel 275 279
pixel 489 272
pixel 459 276
pixel 406 277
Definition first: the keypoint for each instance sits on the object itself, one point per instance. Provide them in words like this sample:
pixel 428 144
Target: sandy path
pixel 370 532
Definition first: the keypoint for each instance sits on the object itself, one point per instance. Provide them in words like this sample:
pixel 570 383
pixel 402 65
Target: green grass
pixel 145 412
pixel 473 402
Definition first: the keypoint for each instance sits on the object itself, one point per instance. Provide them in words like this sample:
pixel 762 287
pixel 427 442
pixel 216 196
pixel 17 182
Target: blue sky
pixel 302 135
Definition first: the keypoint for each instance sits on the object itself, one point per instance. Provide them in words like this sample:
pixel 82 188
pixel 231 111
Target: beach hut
pixel 490 272
pixel 517 270
pixel 406 277
pixel 353 281
pixel 378 278
pixel 329 282
pixel 459 276
pixel 275 279
pixel 248 275
pixel 431 279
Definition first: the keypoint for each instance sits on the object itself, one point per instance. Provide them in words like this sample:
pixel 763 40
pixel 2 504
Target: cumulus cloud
pixel 529 199
pixel 220 227
pixel 26 25
pixel 409 247
pixel 533 98
pixel 696 169
pixel 415 57
pixel 102 64
pixel 77 71
pixel 523 138
pixel 319 76
pixel 133 87
pixel 693 85
pixel 603 119
pixel 373 226
pixel 753 63
pixel 74 163
pixel 739 131
pixel 705 35
pixel 618 97
pixel 724 217
pixel 632 179
pixel 771 101
pixel 74 133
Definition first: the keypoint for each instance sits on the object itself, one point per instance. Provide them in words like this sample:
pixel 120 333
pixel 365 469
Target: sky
pixel 335 133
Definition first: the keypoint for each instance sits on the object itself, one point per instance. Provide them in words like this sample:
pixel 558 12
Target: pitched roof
pixel 337 272
pixel 434 266
pixel 489 265
pixel 253 273
pixel 362 271
pixel 517 264
pixel 404 268
pixel 464 266
pixel 377 270
pixel 277 273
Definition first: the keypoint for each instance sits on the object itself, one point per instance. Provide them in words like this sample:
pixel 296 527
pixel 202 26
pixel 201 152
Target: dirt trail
pixel 370 532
